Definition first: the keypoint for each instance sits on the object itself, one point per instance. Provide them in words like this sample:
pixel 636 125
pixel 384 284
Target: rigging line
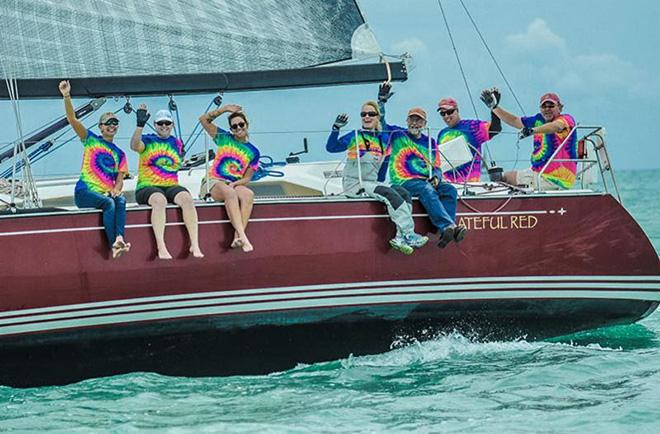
pixel 476 28
pixel 186 145
pixel 458 59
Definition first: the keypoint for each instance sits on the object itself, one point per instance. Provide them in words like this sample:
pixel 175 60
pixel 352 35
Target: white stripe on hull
pixel 328 296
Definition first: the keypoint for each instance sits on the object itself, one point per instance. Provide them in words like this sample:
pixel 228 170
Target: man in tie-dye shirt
pixel 161 156
pixel 102 173
pixel 236 160
pixel 414 164
pixel 555 142
pixel 475 132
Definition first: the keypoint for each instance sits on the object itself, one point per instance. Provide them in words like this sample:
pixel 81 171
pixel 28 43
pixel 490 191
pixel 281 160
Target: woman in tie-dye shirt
pixel 161 156
pixel 102 174
pixel 236 160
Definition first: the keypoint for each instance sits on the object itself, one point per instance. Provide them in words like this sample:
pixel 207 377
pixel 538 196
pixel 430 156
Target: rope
pixel 458 59
pixel 490 53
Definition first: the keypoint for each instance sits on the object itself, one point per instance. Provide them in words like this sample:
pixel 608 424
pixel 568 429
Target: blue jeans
pixel 114 211
pixel 439 202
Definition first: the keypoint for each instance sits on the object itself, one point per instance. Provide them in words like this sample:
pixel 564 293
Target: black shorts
pixel 142 195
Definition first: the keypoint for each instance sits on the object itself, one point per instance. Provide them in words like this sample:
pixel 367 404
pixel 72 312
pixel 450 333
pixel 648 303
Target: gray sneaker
pixel 399 243
pixel 416 241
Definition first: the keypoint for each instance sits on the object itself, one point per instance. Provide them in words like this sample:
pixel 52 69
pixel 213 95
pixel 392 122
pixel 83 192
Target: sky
pixel 602 58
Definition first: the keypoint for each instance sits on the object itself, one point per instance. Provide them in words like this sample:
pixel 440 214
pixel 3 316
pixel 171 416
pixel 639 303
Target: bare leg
pixel 221 191
pixel 185 201
pixel 246 200
pixel 158 203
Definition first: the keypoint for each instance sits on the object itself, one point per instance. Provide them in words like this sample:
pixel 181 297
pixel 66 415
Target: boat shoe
pixel 460 232
pixel 399 243
pixel 447 236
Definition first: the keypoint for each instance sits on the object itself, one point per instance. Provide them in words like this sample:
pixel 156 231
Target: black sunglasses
pixel 370 114
pixel 163 123
pixel 111 122
pixel 446 112
pixel 548 105
pixel 237 125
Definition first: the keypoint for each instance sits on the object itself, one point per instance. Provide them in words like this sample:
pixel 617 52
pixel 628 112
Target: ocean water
pixel 605 381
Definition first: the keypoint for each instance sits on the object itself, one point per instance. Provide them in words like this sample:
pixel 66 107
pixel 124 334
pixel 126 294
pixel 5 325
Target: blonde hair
pixel 374 105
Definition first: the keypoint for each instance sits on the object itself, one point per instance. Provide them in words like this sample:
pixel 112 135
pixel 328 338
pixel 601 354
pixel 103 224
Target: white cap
pixel 163 115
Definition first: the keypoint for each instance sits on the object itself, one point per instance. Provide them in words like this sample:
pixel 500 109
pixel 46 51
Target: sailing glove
pixel 142 117
pixel 525 132
pixel 491 97
pixel 384 92
pixel 340 121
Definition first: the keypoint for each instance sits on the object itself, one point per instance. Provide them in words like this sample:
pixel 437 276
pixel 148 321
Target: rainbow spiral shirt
pixel 160 161
pixel 475 132
pixel 102 162
pixel 561 173
pixel 409 157
pixel 232 158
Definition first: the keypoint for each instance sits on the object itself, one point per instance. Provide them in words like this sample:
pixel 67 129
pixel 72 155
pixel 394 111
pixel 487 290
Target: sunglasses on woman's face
pixel 370 114
pixel 111 122
pixel 237 125
pixel 163 123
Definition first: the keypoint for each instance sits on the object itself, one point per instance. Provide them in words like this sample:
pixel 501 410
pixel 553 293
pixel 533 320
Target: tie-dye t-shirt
pixel 160 161
pixel 561 173
pixel 475 132
pixel 371 142
pixel 102 162
pixel 409 157
pixel 232 158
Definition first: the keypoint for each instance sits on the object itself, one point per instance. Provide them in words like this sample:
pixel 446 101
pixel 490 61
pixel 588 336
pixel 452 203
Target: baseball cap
pixel 417 111
pixel 448 103
pixel 552 97
pixel 163 115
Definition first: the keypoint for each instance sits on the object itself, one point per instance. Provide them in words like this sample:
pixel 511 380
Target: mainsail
pixel 129 47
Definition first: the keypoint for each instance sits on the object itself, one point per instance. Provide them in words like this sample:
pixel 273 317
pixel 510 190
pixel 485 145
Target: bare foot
pixel 236 243
pixel 196 252
pixel 247 247
pixel 164 254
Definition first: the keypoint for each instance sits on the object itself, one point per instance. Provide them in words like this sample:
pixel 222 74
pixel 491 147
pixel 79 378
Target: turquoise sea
pixel 604 381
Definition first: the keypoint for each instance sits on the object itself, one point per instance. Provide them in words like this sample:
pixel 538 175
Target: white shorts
pixel 528 177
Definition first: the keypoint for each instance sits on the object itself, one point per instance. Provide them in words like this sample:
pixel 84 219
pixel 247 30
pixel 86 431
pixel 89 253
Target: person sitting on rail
pixel 551 130
pixel 236 161
pixel 414 164
pixel 475 132
pixel 161 155
pixel 102 174
pixel 365 172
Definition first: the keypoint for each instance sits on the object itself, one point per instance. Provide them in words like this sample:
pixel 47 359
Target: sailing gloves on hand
pixel 384 92
pixel 340 121
pixel 525 132
pixel 491 97
pixel 142 117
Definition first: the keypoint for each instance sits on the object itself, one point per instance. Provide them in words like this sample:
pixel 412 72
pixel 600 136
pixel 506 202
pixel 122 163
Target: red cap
pixel 553 97
pixel 447 103
pixel 417 111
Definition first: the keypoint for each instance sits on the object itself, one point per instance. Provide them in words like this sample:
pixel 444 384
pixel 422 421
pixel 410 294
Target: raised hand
pixel 233 108
pixel 142 115
pixel 490 97
pixel 340 121
pixel 525 132
pixel 65 88
pixel 384 92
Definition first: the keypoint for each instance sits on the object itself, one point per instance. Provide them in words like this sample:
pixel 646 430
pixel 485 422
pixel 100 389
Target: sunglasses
pixel 164 123
pixel 237 125
pixel 446 112
pixel 111 122
pixel 548 105
pixel 370 114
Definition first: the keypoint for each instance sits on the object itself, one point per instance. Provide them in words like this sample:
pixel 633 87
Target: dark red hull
pixel 322 283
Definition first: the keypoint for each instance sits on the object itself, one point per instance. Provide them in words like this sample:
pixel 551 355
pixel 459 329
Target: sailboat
pixel 323 283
